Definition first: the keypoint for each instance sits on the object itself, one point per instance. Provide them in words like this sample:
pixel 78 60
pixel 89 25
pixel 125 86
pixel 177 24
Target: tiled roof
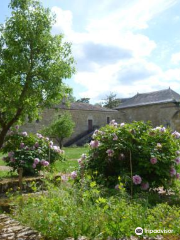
pixel 141 99
pixel 85 107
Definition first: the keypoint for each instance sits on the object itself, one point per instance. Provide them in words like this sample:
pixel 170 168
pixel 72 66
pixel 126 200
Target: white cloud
pixel 119 28
pixel 63 20
pixel 175 58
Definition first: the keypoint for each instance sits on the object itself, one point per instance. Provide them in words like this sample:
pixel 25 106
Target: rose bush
pixel 143 156
pixel 30 152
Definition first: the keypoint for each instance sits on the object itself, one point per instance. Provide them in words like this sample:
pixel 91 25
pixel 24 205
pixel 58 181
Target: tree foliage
pixel 60 128
pixel 111 101
pixel 33 64
pixel 83 100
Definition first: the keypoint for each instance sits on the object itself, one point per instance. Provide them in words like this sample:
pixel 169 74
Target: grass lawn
pixel 71 155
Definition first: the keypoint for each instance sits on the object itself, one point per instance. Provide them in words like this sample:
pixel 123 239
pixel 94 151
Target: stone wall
pixel 166 114
pixel 80 117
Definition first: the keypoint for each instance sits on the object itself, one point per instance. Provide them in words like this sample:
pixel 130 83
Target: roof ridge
pixel 162 90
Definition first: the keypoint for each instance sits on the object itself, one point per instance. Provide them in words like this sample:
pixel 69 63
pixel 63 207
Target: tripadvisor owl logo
pixel 139 231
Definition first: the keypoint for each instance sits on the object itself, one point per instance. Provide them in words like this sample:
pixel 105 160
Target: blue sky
pixel 119 46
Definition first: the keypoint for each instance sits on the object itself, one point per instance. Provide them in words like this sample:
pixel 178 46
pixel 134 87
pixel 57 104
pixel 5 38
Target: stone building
pixel 160 107
pixel 87 118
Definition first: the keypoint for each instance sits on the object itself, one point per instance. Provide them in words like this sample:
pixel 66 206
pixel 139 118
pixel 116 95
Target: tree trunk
pixel 2 135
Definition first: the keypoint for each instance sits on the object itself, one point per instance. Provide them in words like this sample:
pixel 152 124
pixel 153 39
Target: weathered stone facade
pixel 165 114
pixel 161 108
pixel 85 116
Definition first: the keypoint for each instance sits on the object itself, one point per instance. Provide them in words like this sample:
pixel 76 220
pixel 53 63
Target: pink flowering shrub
pixel 143 156
pixel 30 152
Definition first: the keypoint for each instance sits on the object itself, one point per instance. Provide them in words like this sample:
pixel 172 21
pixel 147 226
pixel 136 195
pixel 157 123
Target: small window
pixel 108 120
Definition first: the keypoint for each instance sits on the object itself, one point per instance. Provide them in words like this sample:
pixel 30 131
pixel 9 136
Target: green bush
pixel 143 156
pixel 29 152
pixel 73 211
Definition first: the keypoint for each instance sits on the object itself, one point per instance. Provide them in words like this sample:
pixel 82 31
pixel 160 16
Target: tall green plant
pixel 33 63
pixel 143 156
pixel 60 128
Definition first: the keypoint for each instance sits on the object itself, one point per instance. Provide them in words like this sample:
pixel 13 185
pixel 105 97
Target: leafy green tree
pixel 83 100
pixel 60 128
pixel 33 64
pixel 111 101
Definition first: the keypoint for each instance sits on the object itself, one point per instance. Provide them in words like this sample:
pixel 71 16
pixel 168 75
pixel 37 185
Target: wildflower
pixel 144 186
pixel 172 171
pixel 74 175
pixel 177 160
pixel 117 187
pixel 11 154
pixel 36 160
pixel 122 124
pixel 94 144
pixel 24 134
pixel 110 152
pixel 51 143
pixel 153 160
pixel 176 134
pixel 137 179
pixel 47 139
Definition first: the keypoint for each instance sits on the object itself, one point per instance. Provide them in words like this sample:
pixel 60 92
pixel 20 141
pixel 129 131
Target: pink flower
pixel 74 175
pixel 113 123
pixel 34 165
pixel 24 134
pixel 177 152
pixel 83 156
pixel 137 179
pixel 94 144
pixel 36 160
pixel 172 171
pixel 153 160
pixel 22 145
pixel 39 135
pixel 12 159
pixel 44 163
pixel 122 124
pixel 11 154
pixel 47 139
pixel 176 134
pixel 144 186
pixel 17 127
pixel 117 187
pixel 115 137
pixel 36 144
pixel 110 152
pixel 178 175
pixel 177 160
